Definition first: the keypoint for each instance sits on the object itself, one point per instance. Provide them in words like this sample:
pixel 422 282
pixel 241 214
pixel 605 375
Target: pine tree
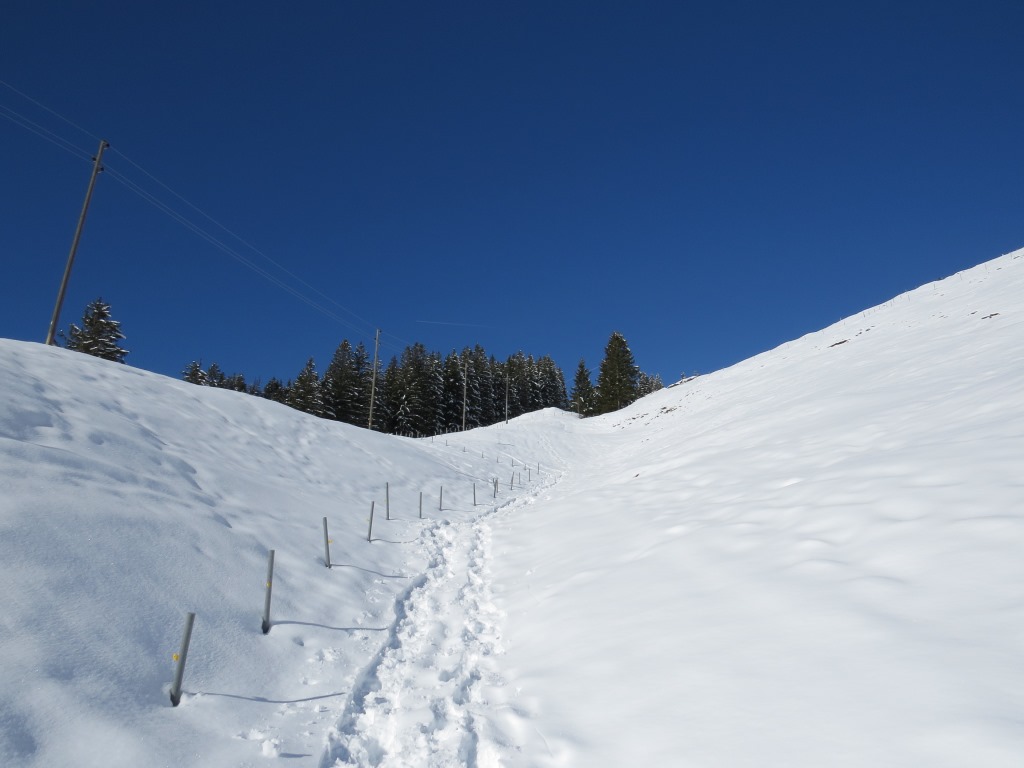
pixel 517 378
pixel 451 399
pixel 305 393
pixel 648 384
pixel 618 376
pixel 362 364
pixel 236 383
pixel 552 384
pixel 483 376
pixel 194 373
pixel 275 390
pixel 340 384
pixel 422 386
pixel 584 396
pixel 215 376
pixel 99 335
pixel 391 411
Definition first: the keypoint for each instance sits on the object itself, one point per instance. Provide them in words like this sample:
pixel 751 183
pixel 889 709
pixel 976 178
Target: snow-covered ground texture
pixel 815 557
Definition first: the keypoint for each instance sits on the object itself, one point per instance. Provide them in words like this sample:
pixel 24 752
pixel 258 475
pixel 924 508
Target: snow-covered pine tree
pixel 236 382
pixel 648 384
pixel 584 396
pixel 474 402
pixel 215 377
pixel 552 384
pixel 391 410
pixel 518 376
pixel 99 335
pixel 194 373
pixel 275 390
pixel 618 376
pixel 451 398
pixel 305 393
pixel 359 396
pixel 482 376
pixel 338 384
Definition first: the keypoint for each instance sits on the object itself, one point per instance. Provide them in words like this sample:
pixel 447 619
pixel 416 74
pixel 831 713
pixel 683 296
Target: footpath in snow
pixel 432 695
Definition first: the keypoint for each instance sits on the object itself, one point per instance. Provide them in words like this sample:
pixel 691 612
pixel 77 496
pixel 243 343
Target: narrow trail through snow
pixel 433 693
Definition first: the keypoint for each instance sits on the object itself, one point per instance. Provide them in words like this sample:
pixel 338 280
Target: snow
pixel 810 558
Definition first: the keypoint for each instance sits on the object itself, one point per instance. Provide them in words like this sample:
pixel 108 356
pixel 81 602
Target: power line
pixel 44 133
pixel 68 146
pixel 243 241
pixel 225 248
pixel 192 226
pixel 52 112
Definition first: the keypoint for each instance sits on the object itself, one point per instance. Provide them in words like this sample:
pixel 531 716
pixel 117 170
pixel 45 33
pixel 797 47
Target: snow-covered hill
pixel 810 558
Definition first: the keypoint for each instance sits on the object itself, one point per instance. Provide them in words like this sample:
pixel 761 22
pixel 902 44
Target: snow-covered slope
pixel 815 557
pixel 130 499
pixel 810 558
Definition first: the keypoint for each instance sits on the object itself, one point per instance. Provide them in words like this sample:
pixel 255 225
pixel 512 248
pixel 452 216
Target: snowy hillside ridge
pixel 809 558
pixel 934 307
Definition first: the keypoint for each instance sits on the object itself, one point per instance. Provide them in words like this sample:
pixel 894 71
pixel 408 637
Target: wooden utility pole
pixel 373 380
pixel 96 168
pixel 506 397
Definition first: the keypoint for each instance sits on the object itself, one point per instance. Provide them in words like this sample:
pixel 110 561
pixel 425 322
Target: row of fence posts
pixel 190 618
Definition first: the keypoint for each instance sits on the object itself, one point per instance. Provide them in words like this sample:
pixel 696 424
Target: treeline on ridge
pixel 417 393
pixel 421 393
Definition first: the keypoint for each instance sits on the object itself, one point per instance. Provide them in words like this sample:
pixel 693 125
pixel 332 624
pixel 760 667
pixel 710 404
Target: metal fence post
pixel 180 657
pixel 369 533
pixel 270 587
pixel 327 546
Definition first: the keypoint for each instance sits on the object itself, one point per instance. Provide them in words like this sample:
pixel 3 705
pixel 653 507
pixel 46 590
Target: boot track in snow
pixel 431 693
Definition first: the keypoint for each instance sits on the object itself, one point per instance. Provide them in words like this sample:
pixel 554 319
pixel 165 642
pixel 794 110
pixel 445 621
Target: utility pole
pixel 373 381
pixel 465 381
pixel 506 397
pixel 96 168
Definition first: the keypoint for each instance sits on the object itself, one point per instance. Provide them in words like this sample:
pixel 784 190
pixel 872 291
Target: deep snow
pixel 810 558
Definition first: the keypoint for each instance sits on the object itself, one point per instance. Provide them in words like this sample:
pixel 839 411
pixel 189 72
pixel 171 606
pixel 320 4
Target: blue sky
pixel 709 179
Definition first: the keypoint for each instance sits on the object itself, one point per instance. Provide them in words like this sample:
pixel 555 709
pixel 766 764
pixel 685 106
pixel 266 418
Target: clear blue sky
pixel 711 179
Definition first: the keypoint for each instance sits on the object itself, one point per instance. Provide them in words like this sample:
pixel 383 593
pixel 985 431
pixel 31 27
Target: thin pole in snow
pixel 327 546
pixel 265 626
pixel 180 657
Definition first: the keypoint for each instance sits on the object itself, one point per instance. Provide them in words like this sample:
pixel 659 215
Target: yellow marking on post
pixel 174 656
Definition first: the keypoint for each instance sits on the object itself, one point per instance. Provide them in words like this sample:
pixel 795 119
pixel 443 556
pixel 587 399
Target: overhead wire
pixel 225 248
pixel 184 221
pixel 44 133
pixel 47 109
pixel 242 240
